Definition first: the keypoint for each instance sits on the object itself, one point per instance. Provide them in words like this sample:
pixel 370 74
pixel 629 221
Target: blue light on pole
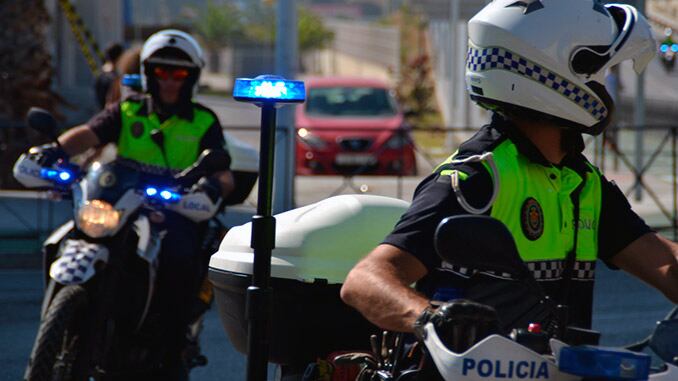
pixel 265 91
pixel 270 89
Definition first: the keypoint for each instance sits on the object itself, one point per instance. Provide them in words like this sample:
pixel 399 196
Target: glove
pixel 48 154
pixel 210 186
pixel 459 323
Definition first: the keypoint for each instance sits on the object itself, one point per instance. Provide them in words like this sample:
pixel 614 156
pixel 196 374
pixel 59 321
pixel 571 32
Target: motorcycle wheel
pixel 56 345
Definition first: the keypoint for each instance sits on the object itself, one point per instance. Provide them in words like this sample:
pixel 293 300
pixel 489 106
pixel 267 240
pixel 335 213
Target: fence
pixel 370 166
pixel 614 153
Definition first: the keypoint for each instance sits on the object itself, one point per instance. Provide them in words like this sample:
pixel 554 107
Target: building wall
pixel 73 78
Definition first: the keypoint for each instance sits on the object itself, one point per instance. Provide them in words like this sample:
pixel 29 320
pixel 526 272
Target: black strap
pixel 568 268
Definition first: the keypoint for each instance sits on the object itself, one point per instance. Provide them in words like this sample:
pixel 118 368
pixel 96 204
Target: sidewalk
pixel 216 81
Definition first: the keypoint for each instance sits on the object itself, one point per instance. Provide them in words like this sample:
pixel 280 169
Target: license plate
pixel 354 159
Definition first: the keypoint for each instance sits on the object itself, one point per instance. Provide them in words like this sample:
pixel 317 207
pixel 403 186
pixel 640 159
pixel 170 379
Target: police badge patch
pixel 532 219
pixel 137 129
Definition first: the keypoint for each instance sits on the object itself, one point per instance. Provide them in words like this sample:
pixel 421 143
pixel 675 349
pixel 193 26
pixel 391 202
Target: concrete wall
pixel 359 49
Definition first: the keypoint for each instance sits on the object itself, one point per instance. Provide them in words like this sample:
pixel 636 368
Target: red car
pixel 352 126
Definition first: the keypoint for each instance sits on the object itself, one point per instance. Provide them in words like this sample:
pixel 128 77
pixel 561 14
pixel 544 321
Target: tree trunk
pixel 25 78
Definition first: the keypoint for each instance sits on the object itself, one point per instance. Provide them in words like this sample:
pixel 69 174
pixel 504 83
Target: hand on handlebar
pixel 459 323
pixel 48 154
pixel 210 186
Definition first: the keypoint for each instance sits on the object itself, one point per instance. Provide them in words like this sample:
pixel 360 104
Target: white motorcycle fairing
pixel 148 247
pixel 494 358
pixel 196 206
pixel 27 172
pixel 76 265
pixel 670 374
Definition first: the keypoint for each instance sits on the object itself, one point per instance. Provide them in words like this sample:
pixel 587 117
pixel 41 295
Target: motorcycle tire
pixel 56 337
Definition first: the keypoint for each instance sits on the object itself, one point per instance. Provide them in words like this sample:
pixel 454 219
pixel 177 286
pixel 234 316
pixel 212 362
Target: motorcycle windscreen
pixel 108 182
pixel 516 301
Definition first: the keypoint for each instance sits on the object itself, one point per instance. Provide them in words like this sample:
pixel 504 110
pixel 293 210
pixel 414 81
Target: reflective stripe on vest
pixel 181 137
pixel 535 205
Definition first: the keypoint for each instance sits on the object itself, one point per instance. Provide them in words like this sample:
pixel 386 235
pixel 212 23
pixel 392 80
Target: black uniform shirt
pixel 108 123
pixel 434 200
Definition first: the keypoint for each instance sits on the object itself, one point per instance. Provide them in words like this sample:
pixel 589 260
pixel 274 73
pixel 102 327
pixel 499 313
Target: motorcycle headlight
pixel 98 218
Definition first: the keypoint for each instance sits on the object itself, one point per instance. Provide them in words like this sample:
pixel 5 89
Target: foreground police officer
pixel 171 62
pixel 539 66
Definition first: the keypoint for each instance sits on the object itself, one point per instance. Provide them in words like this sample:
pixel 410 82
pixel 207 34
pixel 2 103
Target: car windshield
pixel 350 101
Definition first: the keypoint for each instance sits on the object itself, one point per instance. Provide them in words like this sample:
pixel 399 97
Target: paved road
pixel 20 296
pixel 625 311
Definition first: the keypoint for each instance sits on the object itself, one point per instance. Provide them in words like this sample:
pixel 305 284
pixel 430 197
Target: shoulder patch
pixel 532 219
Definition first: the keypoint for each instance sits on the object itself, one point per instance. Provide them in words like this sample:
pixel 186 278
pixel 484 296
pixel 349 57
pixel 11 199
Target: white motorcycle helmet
pixel 173 48
pixel 547 58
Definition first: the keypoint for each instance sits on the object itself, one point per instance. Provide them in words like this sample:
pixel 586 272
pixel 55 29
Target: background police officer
pixel 171 62
pixel 539 65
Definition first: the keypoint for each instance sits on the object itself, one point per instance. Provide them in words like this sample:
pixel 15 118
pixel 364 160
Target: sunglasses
pixel 165 73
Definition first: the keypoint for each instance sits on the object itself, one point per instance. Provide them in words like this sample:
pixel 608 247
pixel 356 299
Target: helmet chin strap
pixel 454 180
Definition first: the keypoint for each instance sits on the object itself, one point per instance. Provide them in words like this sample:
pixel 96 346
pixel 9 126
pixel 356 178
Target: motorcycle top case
pixel 315 248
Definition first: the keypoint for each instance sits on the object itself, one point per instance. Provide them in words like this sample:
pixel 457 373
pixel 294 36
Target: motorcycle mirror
pixel 479 242
pixel 210 161
pixel 42 121
pixel 664 339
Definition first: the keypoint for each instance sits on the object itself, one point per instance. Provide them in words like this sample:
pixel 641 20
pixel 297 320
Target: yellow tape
pixel 81 34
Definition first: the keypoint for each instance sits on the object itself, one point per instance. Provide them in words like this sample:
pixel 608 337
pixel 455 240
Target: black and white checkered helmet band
pixel 495 58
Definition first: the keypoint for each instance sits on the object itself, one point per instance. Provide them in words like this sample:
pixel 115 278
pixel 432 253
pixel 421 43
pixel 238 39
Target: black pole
pixel 263 241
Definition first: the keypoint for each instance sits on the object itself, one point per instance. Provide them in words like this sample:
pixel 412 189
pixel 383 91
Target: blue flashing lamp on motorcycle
pixel 162 194
pixel 604 363
pixel 63 177
pixel 267 92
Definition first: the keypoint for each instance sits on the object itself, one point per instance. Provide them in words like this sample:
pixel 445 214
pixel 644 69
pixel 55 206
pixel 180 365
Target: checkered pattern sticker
pixel 483 59
pixel 553 270
pixel 542 270
pixel 468 272
pixel 76 263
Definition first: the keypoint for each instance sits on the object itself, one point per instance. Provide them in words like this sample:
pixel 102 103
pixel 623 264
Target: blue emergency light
pixel 269 89
pixel 664 48
pixel 674 48
pixel 164 194
pixel 604 363
pixel 59 176
pixel 131 80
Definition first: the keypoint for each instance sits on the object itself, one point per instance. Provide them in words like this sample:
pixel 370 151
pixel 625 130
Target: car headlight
pixel 98 218
pixel 311 140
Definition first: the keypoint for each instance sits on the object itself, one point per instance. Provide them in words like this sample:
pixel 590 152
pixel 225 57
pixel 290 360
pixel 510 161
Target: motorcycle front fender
pixel 77 262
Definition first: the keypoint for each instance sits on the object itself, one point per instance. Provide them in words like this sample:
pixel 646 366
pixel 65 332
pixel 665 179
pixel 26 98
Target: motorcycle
pixel 99 318
pixel 546 349
pixel 667 54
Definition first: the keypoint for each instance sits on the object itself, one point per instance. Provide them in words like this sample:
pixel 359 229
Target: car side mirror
pixel 479 242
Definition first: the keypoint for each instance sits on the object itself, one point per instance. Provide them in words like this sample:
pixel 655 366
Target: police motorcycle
pixel 466 340
pixel 98 318
pixel 314 336
pixel 668 50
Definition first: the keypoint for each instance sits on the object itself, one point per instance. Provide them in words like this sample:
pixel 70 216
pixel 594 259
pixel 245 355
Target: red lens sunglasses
pixel 164 73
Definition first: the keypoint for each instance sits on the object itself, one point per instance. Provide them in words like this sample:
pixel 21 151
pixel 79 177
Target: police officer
pixel 171 62
pixel 539 67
